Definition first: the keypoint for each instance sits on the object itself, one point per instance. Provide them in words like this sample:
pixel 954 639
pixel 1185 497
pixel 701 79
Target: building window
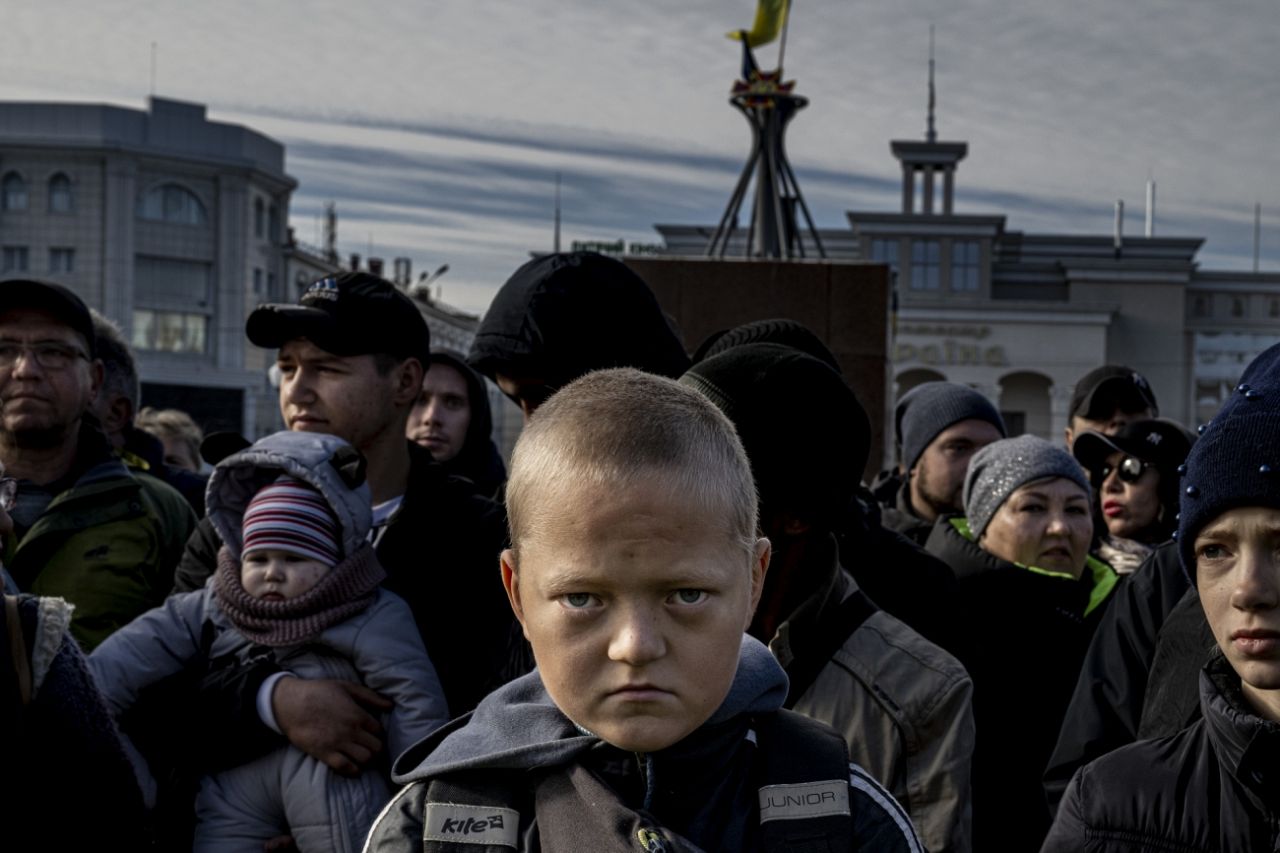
pixel 13 259
pixel 259 218
pixel 257 282
pixel 170 331
pixel 926 256
pixel 60 198
pixel 273 224
pixel 172 299
pixel 966 256
pixel 885 252
pixel 271 286
pixel 1200 307
pixel 172 203
pixel 1237 306
pixel 62 260
pixel 13 192
pixel 1275 307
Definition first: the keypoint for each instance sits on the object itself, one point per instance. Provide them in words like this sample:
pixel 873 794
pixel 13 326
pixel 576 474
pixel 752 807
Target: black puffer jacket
pixel 1213 786
pixel 1106 707
pixel 901 577
pixel 1029 629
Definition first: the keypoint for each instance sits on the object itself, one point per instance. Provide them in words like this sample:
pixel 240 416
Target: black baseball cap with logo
pixel 59 301
pixel 350 313
pixel 1161 442
pixel 1103 390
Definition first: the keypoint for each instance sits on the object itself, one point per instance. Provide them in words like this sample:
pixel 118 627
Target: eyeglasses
pixel 50 356
pixel 1129 469
pixel 8 493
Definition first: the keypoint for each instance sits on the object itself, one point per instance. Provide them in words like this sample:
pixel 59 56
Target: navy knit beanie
pixel 1236 462
pixel 928 409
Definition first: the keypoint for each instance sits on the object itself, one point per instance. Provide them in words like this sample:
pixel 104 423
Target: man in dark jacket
pixel 560 316
pixel 938 426
pixel 85 529
pixel 351 356
pixel 453 421
pixel 1214 785
pixel 902 703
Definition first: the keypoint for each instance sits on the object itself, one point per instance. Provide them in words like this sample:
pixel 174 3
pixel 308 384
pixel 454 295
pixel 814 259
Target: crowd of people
pixel 678 622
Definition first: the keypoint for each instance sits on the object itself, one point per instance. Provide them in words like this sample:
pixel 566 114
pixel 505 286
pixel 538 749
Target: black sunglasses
pixel 1129 469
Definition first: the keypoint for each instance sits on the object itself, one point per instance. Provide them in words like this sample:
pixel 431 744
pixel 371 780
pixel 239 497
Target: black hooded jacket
pixel 1120 691
pixel 478 461
pixel 1213 786
pixel 561 316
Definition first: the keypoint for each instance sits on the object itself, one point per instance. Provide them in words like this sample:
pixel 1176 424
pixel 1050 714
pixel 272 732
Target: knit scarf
pixel 347 589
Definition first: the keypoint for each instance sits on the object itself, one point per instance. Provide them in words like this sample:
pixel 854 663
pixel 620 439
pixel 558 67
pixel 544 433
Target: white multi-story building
pixel 1021 317
pixel 170 224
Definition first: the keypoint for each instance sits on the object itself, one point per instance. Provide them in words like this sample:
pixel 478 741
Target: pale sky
pixel 438 127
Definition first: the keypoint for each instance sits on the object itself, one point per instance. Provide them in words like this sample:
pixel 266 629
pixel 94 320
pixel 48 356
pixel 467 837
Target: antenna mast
pixel 931 133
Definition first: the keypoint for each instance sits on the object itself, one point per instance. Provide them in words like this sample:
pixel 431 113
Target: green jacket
pixel 108 545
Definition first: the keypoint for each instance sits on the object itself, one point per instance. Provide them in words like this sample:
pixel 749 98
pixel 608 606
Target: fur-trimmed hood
pixel 325 462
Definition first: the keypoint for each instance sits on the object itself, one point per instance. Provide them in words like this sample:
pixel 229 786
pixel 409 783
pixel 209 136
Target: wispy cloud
pixel 438 128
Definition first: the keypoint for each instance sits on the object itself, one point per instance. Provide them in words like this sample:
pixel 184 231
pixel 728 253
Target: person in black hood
pixel 560 316
pixel 452 419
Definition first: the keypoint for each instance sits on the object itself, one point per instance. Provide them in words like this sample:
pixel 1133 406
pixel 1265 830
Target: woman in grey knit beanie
pixel 1028 502
pixel 1030 596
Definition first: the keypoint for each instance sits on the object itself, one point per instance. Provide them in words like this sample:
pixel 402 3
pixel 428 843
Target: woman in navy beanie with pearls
pixel 1216 784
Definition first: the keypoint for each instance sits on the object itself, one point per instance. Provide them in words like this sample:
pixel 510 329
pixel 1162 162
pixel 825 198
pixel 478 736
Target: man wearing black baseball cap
pixel 351 356
pixel 85 529
pixel 1108 397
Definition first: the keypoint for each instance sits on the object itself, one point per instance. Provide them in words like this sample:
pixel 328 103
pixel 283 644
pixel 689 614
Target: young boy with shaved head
pixel 652 722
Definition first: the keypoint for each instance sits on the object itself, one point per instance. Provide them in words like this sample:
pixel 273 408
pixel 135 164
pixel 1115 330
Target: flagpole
pixel 782 43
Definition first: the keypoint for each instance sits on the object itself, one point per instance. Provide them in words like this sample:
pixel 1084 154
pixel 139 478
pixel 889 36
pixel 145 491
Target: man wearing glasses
pixel 84 528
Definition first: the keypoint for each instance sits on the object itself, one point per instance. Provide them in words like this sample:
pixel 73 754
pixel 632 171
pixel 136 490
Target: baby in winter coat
pixel 298 581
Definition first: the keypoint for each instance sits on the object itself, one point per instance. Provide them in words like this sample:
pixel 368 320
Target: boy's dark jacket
pixel 1213 786
pixel 700 794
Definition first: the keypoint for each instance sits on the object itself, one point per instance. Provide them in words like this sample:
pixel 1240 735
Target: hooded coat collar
pixel 519 727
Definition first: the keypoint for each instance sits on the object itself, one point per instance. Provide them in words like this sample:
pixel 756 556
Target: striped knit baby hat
pixel 289 515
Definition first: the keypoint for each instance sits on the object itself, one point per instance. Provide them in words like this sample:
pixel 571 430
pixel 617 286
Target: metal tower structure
pixel 769 104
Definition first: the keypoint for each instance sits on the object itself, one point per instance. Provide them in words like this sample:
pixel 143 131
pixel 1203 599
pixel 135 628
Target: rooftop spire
pixel 931 134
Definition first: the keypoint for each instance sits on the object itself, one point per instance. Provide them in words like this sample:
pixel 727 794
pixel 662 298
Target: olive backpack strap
pixel 804 791
pixel 18 648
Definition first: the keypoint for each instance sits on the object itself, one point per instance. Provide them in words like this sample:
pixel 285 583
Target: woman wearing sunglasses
pixel 1135 481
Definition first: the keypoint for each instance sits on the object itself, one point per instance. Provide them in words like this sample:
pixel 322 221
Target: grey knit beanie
pixel 928 409
pixel 1000 469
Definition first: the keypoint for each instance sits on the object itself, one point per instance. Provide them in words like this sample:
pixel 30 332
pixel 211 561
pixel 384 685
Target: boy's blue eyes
pixel 581 600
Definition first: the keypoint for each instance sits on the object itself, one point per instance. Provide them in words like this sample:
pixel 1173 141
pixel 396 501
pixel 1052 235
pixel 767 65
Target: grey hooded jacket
pixel 286 791
pixel 702 788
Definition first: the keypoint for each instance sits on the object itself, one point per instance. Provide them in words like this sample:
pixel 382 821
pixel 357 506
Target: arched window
pixel 13 192
pixel 60 198
pixel 172 203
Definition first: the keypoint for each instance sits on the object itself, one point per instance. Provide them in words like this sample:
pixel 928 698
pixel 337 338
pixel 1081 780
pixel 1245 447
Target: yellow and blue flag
pixel 770 16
